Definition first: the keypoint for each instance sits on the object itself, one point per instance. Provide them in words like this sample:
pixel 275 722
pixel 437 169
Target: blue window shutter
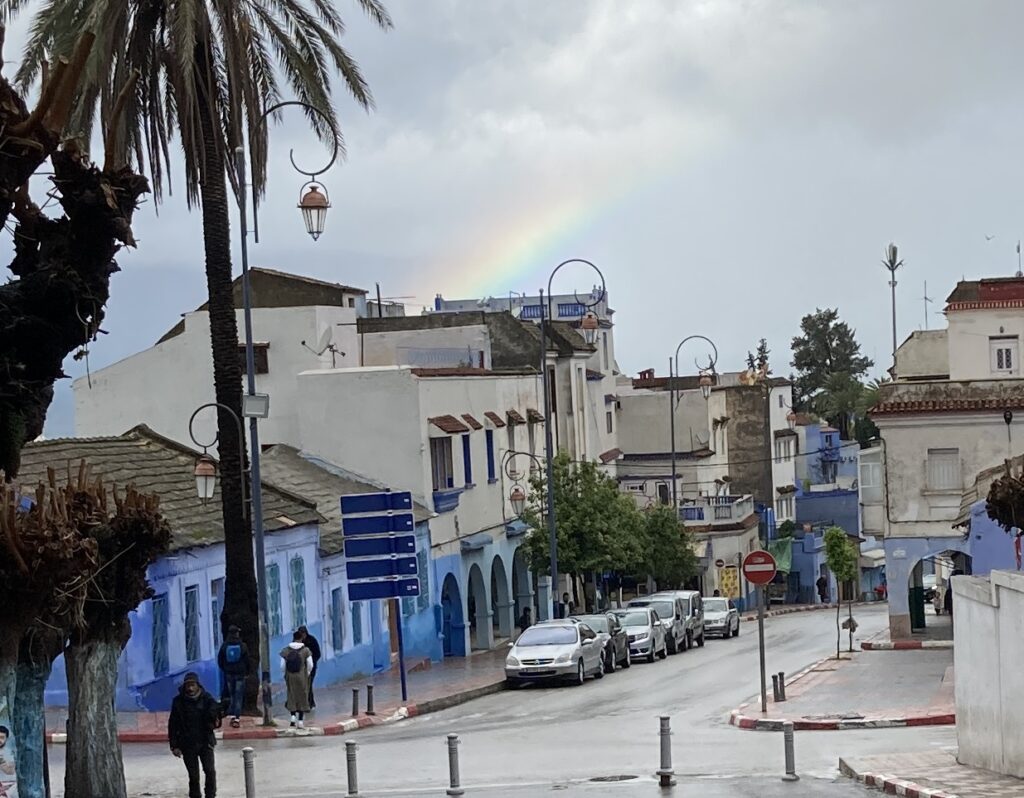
pixel 467 459
pixel 192 653
pixel 274 599
pixel 298 578
pixel 357 623
pixel 161 661
pixel 338 619
pixel 489 435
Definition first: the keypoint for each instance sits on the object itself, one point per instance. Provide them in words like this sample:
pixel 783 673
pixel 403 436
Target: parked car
pixel 645 632
pixel 555 650
pixel 721 617
pixel 613 637
pixel 693 613
pixel 672 613
pixel 929 582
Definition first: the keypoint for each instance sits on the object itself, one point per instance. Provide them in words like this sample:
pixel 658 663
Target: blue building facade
pixel 990 546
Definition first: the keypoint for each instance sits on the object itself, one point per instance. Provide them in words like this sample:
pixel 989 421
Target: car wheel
pixel 581 673
pixel 671 646
pixel 599 670
pixel 627 661
pixel 736 631
pixel 609 661
pixel 653 654
pixel 664 652
pixel 700 640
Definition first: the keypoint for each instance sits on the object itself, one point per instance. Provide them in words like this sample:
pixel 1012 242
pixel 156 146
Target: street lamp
pixel 517 498
pixel 589 325
pixel 206 477
pixel 549 455
pixel 313 205
pixel 706 380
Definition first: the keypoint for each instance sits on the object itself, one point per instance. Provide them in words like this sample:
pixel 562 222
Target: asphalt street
pixel 541 740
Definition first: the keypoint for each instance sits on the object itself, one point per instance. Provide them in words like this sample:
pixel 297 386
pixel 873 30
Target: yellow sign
pixel 729 581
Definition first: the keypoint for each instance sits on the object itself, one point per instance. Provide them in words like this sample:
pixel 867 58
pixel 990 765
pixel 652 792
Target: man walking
pixel 822 584
pixel 297 664
pixel 233 659
pixel 194 716
pixel 314 648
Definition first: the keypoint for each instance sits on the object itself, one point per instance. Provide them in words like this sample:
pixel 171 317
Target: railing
pixel 717 509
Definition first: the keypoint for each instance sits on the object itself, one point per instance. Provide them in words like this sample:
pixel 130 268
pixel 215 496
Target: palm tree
pixel 207 70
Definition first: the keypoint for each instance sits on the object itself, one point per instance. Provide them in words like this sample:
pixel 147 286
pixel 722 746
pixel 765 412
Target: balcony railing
pixel 717 510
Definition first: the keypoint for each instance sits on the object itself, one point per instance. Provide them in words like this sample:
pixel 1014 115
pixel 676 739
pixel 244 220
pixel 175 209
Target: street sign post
pixel 759 568
pixel 380 554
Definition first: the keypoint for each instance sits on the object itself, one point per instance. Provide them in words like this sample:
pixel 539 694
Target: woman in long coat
pixel 297 664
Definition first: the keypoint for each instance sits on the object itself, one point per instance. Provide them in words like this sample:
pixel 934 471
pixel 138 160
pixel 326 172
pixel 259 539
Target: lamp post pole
pixel 320 204
pixel 707 378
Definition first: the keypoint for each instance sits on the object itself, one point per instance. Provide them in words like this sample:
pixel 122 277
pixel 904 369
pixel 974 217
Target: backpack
pixel 293 662
pixel 233 653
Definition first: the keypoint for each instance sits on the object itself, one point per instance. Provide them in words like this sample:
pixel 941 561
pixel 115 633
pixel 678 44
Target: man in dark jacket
pixel 233 660
pixel 194 715
pixel 314 648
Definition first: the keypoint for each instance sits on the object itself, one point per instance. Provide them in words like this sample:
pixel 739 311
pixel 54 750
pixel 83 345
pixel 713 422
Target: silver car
pixel 672 613
pixel 645 631
pixel 721 617
pixel 555 650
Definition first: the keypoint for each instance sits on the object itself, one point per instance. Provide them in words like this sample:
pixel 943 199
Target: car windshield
pixel 599 623
pixel 666 609
pixel 716 605
pixel 634 618
pixel 547 636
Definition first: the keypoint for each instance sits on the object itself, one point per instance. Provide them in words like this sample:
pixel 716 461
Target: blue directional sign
pixel 380 547
pixel 376 568
pixel 375 502
pixel 383 589
pixel 377 524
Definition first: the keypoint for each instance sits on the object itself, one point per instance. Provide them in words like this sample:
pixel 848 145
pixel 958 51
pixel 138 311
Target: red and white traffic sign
pixel 759 567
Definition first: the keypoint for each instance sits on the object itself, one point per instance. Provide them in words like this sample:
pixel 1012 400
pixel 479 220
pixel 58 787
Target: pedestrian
pixel 567 606
pixel 822 584
pixel 233 660
pixel 314 648
pixel 297 664
pixel 717 592
pixel 194 716
pixel 524 620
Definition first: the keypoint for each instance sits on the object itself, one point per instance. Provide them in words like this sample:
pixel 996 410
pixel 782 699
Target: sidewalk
pixel 929 774
pixel 938 633
pixel 787 609
pixel 862 690
pixel 448 683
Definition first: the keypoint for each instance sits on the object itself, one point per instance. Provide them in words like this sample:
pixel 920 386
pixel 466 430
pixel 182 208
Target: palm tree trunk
pixel 240 603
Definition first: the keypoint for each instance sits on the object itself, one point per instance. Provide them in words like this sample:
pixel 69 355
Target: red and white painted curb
pixel 905 645
pixel 891 785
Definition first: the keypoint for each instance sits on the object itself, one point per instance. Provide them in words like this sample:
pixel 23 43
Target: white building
pixel 941 422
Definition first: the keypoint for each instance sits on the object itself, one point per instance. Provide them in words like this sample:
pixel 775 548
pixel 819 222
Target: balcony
pixel 712 510
pixel 445 501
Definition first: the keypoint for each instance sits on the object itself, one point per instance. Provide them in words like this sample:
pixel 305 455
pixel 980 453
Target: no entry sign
pixel 759 567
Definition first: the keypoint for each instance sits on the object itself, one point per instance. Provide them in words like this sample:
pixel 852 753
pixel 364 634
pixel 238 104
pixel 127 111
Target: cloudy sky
pixel 730 166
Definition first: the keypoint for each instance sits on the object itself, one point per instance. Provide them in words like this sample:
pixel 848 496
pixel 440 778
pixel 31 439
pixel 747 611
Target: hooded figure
pixel 194 715
pixel 233 660
pixel 297 664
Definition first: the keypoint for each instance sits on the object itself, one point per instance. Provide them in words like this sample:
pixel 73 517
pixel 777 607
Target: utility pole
pixel 892 262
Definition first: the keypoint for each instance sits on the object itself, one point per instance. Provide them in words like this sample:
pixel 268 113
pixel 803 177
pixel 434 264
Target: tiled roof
pixel 494 418
pixel 515 417
pixel 323 483
pixel 641 457
pixel 993 292
pixel 454 371
pixel 448 424
pixel 472 421
pixel 534 416
pixel 154 464
pixel 948 405
pixel 611 454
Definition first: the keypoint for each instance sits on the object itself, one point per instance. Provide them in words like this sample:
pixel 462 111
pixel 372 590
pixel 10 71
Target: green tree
pixel 825 346
pixel 669 557
pixel 786 529
pixel 759 361
pixel 843 560
pixel 208 70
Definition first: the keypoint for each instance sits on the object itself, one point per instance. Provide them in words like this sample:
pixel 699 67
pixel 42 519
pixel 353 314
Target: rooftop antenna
pixel 325 345
pixel 927 301
pixel 892 262
pixel 1019 272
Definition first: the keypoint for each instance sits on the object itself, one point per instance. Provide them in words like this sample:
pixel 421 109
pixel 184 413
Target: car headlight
pixel 642 636
pixel 563 658
pixel 512 662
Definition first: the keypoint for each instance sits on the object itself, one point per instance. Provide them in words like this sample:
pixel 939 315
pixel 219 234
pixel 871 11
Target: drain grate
pixel 612 778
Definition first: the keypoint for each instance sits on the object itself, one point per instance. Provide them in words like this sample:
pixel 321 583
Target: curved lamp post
pixel 706 381
pixel 589 325
pixel 313 205
pixel 517 495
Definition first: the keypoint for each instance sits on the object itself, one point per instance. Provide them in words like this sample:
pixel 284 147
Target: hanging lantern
pixel 791 420
pixel 517 498
pixel 589 325
pixel 206 477
pixel 706 381
pixel 314 205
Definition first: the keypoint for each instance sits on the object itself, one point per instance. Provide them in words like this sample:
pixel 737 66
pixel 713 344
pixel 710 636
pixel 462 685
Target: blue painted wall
pixel 839 507
pixel 820 446
pixel 991 547
pixel 808 559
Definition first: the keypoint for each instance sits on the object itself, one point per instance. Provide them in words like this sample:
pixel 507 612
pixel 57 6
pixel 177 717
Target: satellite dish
pixel 325 339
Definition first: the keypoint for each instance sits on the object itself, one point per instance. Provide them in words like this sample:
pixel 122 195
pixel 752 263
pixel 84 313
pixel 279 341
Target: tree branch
pixel 45 101
pixel 110 142
pixel 66 88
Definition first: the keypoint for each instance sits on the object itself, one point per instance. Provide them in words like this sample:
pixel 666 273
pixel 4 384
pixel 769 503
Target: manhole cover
pixel 612 778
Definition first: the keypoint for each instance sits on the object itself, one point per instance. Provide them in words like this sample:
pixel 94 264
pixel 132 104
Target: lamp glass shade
pixel 517 498
pixel 705 384
pixel 314 205
pixel 791 419
pixel 206 478
pixel 589 325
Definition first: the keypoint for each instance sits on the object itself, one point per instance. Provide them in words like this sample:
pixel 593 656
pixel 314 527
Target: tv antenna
pixel 927 301
pixel 325 345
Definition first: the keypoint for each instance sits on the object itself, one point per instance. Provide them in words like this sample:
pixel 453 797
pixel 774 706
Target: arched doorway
pixel 929 597
pixel 502 605
pixel 479 606
pixel 453 625
pixel 522 585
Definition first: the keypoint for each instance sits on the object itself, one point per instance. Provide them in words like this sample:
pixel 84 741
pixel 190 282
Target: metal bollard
pixel 355 702
pixel 787 734
pixel 782 685
pixel 369 700
pixel 775 688
pixel 248 755
pixel 666 776
pixel 350 767
pixel 455 787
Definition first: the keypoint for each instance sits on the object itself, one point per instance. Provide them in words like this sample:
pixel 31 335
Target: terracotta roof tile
pixel 515 417
pixel 947 406
pixel 472 421
pixel 534 416
pixel 611 454
pixel 494 418
pixel 448 424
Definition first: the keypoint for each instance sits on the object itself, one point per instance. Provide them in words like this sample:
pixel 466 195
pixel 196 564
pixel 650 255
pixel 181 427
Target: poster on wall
pixel 8 786
pixel 729 581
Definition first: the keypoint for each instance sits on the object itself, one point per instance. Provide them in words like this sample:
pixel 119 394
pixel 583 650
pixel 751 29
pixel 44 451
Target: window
pixel 192 623
pixel 259 354
pixel 489 439
pixel 944 469
pixel 161 663
pixel 635 487
pixel 467 460
pixel 351 301
pixel 663 497
pixel 511 437
pixel 571 309
pixel 357 623
pixel 871 482
pixel 1003 354
pixel 782 401
pixel 531 434
pixel 784 507
pixel 274 599
pixel 422 566
pixel 297 567
pixel 338 618
pixel 216 602
pixel 604 351
pixel 442 472
pixel 608 422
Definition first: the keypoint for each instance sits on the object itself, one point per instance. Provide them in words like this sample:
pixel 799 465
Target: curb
pixel 906 645
pixel 891 785
pixel 788 610
pixel 330 730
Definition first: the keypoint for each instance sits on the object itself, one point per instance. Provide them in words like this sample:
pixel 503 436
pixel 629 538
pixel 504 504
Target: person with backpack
pixel 314 648
pixel 297 664
pixel 194 716
pixel 233 659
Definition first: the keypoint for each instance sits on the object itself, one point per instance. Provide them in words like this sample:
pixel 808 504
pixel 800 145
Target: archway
pixel 453 624
pixel 479 611
pixel 928 591
pixel 904 574
pixel 521 584
pixel 502 605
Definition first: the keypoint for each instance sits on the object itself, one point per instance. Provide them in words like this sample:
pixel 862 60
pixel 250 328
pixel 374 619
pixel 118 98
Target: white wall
pixel 969 332
pixel 387 348
pixel 783 472
pixel 924 354
pixel 988 648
